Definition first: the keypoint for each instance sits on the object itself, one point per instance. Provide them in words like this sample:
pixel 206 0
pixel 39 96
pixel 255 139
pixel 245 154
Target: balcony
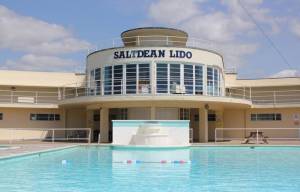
pixel 258 98
pixel 29 98
pixel 263 98
pixel 155 41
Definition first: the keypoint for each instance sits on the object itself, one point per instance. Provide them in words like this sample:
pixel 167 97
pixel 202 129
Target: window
pixel 1 116
pixel 131 78
pixel 266 117
pixel 144 78
pixel 162 78
pixel 210 82
pixel 98 81
pixel 184 114
pixel 118 79
pixel 108 80
pixel 44 117
pixel 189 79
pixel 174 77
pixel 198 80
pixel 96 117
pixel 213 81
pixel 211 117
pixel 216 82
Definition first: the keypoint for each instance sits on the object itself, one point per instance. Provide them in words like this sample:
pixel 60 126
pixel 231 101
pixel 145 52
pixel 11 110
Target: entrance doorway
pixel 96 125
pixel 191 114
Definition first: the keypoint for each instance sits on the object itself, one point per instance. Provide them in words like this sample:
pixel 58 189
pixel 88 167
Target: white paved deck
pixel 32 147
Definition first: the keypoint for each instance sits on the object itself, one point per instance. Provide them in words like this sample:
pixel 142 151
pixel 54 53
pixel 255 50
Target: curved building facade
pixel 155 75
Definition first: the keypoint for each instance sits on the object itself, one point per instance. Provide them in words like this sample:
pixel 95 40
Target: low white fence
pixel 257 135
pixel 45 134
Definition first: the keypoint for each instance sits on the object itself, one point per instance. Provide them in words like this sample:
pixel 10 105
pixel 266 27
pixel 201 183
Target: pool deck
pixel 27 148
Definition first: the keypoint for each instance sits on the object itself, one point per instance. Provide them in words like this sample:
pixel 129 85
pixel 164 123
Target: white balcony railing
pixel 157 41
pixel 29 97
pixel 257 97
pixel 144 88
pixel 266 97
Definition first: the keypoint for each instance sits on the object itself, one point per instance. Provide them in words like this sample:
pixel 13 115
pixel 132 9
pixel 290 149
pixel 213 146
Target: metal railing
pixel 257 97
pixel 191 135
pixel 119 87
pixel 265 97
pixel 155 40
pixel 29 97
pixel 257 135
pixel 45 134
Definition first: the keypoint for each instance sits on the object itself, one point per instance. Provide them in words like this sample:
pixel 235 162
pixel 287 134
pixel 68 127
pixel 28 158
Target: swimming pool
pixel 106 169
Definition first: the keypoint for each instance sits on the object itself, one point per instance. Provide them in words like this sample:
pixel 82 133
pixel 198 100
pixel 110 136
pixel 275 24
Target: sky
pixel 257 38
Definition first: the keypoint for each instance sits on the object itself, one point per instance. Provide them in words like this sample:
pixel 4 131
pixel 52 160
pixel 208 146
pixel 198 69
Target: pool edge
pixel 38 152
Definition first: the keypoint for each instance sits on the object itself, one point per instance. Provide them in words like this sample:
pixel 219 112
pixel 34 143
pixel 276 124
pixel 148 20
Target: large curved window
pixel 171 78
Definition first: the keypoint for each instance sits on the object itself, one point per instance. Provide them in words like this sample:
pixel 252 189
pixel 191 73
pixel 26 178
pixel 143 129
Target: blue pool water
pixel 101 169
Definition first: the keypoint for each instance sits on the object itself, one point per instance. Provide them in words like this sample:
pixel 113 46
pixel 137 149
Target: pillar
pixel 153 113
pixel 89 122
pixel 104 125
pixel 219 123
pixel 203 125
pixel 65 117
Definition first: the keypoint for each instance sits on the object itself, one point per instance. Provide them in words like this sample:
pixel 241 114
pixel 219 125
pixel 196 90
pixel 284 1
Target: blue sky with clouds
pixel 55 35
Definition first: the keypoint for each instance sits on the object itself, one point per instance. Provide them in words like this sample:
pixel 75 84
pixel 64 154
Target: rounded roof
pixel 145 31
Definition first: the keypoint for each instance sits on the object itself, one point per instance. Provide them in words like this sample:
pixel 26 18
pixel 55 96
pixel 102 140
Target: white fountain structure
pixel 151 133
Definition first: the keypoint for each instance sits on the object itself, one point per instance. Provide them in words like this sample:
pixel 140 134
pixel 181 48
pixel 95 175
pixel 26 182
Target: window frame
pixel 266 117
pixel 44 117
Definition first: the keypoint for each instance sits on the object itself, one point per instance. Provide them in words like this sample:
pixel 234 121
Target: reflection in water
pixel 151 155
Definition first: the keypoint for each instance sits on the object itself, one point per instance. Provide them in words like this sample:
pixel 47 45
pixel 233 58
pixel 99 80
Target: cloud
pixel 286 73
pixel 163 11
pixel 30 35
pixel 295 27
pixel 31 62
pixel 223 29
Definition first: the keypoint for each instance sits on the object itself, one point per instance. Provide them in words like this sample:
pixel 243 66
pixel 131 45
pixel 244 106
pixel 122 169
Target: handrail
pixel 167 40
pixel 96 88
pixel 49 136
pixel 266 135
pixel 118 87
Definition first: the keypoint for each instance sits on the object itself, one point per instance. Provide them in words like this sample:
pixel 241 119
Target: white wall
pixel 173 132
